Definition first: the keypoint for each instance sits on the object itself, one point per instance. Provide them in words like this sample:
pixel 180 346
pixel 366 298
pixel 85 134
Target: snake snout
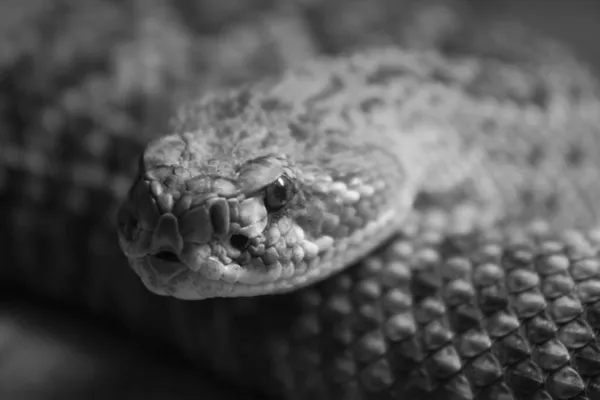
pixel 167 242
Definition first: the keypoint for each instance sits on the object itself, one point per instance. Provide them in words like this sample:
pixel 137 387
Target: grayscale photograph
pixel 300 199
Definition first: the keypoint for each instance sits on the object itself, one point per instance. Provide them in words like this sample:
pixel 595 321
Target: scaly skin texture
pixel 429 315
pixel 273 187
pixel 506 313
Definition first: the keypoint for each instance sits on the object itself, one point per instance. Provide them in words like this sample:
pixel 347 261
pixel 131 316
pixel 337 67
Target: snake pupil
pixel 278 194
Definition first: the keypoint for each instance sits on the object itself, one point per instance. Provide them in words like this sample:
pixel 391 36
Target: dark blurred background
pixel 90 67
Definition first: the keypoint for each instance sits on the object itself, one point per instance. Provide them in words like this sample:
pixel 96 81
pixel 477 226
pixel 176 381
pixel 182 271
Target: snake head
pixel 226 213
pixel 195 228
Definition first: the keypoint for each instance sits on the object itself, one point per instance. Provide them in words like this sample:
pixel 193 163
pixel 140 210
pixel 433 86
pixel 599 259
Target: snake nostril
pixel 240 242
pixel 167 256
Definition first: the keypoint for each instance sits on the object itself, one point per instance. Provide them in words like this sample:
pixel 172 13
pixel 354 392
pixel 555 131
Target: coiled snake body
pixel 281 186
pixel 275 187
pixel 271 188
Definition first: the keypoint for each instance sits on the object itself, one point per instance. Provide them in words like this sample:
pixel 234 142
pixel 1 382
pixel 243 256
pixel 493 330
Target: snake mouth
pixel 164 274
pixel 159 271
pixel 167 256
pixel 164 266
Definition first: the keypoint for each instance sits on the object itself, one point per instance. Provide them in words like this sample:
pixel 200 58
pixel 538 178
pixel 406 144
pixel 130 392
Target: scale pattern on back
pixel 427 316
pixel 503 314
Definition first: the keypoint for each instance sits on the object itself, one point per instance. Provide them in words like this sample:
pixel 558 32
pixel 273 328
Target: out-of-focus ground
pixel 75 66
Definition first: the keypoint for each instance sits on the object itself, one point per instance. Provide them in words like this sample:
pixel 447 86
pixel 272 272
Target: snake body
pixel 314 170
pixel 273 187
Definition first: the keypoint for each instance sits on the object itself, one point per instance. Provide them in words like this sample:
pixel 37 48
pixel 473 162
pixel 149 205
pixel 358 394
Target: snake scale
pixel 280 186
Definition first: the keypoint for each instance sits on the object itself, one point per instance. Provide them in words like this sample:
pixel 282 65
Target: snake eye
pixel 279 193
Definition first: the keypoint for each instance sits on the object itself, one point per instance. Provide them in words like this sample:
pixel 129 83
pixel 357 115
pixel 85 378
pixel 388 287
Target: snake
pixel 311 200
pixel 359 214
pixel 277 185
